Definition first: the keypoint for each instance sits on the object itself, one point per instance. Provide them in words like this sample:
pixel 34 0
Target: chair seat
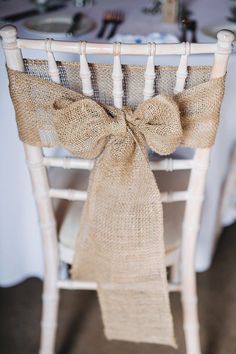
pixel 69 213
pixel 70 226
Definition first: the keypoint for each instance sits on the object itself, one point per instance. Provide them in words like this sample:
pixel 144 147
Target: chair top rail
pixel 222 46
pixel 125 49
pixel 12 47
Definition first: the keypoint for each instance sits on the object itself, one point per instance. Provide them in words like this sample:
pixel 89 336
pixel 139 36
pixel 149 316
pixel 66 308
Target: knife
pixel 29 13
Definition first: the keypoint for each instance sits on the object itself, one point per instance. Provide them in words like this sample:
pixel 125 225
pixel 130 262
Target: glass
pixel 153 6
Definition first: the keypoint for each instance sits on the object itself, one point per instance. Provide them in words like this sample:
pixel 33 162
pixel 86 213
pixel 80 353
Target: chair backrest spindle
pixel 150 72
pixel 85 73
pixel 117 77
pixel 52 65
pixel 182 71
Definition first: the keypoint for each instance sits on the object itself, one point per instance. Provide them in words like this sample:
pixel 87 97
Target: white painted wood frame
pixel 181 261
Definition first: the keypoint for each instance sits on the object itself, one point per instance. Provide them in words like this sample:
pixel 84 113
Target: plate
pixel 212 30
pixel 156 37
pixel 57 24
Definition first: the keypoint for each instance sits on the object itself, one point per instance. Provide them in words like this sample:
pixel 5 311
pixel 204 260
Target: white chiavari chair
pixel 180 246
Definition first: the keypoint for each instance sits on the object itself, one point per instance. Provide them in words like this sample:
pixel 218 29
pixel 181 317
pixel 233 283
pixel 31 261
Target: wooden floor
pixel 80 327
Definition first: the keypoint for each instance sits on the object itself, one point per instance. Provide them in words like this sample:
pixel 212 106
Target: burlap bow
pixel 120 242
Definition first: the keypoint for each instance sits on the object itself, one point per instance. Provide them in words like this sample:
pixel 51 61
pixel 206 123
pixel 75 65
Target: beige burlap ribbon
pixel 120 243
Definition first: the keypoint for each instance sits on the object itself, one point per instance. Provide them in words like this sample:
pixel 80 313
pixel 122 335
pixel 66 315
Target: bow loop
pixel 88 125
pixel 158 119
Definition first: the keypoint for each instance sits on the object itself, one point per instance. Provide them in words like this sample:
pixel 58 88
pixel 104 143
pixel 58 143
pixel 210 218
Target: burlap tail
pixel 120 245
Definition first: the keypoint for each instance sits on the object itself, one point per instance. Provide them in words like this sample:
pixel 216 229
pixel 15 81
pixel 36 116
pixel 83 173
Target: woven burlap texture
pixel 120 243
pixel 133 79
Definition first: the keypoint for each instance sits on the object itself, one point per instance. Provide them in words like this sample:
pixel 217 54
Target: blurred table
pixel 20 246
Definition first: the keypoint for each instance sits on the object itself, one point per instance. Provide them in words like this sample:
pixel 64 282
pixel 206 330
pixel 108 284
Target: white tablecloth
pixel 20 245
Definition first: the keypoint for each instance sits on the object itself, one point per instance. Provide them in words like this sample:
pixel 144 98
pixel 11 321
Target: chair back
pixel 119 85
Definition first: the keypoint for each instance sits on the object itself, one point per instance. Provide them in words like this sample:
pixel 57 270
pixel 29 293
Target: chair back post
pixel 224 48
pixel 201 159
pixel 192 216
pixel 38 174
pixel 11 50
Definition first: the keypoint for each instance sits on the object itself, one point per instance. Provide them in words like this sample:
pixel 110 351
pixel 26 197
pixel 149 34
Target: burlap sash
pixel 120 243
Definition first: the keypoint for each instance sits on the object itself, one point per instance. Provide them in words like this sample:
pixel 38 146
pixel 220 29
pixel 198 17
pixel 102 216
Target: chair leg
pixel 49 318
pixel 190 313
pixel 175 273
pixel 50 297
pixel 47 223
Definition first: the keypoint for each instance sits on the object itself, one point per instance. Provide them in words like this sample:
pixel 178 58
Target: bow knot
pixel 89 125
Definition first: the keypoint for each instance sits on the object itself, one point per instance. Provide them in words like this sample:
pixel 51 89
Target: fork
pixel 106 20
pixel 117 18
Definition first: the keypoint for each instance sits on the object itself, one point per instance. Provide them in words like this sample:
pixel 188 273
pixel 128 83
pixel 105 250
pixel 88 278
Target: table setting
pixel 105 21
